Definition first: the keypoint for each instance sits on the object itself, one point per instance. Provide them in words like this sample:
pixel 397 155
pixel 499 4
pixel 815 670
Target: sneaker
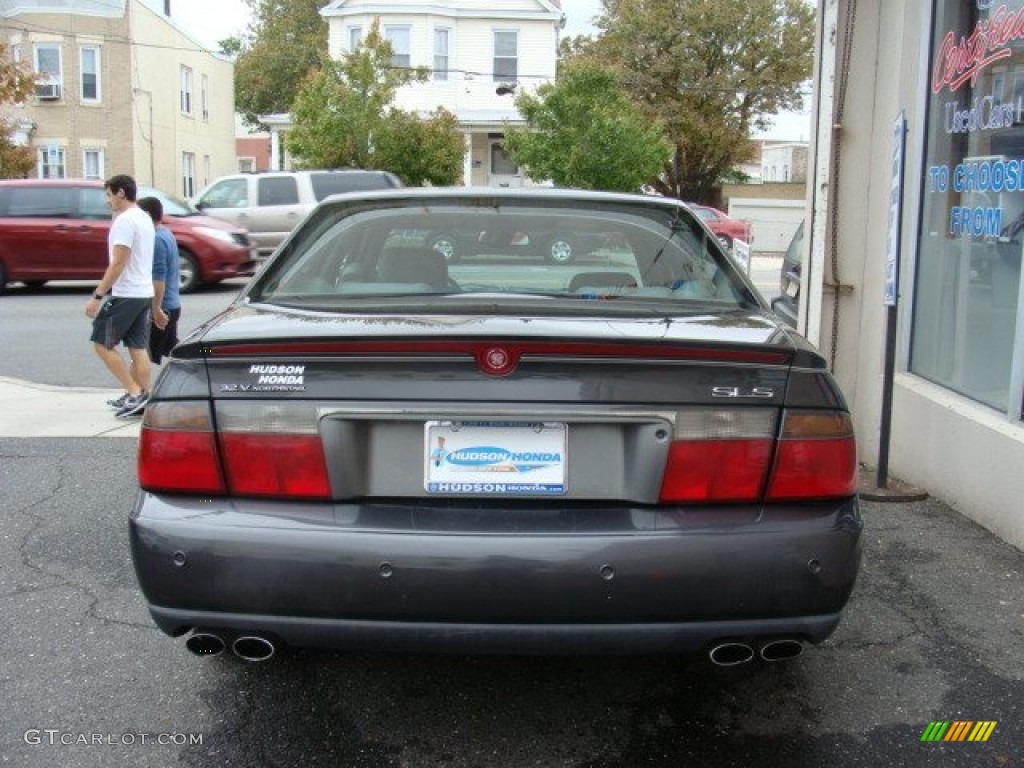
pixel 133 405
pixel 118 402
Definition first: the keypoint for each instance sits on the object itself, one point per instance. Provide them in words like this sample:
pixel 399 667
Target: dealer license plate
pixel 495 458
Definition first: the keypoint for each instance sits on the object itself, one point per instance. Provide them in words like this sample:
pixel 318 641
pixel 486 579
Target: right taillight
pixel 816 457
pixel 738 455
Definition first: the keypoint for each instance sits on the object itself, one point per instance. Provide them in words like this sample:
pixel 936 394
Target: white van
pixel 270 204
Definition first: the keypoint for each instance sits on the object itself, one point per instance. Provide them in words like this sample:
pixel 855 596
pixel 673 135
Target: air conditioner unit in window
pixel 48 91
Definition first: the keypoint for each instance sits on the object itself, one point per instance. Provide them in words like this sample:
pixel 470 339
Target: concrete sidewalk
pixel 28 409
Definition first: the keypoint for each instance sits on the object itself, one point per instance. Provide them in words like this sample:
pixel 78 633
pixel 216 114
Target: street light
pixel 506 89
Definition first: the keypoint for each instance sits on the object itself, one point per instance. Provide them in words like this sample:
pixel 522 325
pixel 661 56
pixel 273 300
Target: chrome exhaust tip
pixel 202 642
pixel 253 648
pixel 731 654
pixel 779 650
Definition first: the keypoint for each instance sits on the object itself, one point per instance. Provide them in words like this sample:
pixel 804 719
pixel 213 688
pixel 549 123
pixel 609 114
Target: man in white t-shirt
pixel 125 315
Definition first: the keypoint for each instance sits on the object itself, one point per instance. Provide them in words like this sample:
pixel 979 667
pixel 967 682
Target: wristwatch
pixel 98 296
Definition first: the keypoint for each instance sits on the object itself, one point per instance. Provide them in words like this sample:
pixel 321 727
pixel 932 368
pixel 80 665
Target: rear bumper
pixel 464 579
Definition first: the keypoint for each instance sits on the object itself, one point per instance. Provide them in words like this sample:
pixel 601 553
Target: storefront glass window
pixel 968 277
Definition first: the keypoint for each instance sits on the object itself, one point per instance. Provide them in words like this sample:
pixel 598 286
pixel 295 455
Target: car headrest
pixel 413 265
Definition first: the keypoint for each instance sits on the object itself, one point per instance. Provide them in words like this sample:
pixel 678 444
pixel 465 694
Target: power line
pixel 467 73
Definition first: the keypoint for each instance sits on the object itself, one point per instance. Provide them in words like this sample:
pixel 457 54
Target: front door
pixel 504 172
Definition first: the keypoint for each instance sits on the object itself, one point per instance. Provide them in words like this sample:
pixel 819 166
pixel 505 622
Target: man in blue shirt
pixel 163 336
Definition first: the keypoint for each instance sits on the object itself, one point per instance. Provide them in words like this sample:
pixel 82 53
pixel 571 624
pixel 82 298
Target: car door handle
pixel 66 228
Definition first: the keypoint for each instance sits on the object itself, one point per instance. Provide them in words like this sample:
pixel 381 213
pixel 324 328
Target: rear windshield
pixel 327 184
pixel 502 251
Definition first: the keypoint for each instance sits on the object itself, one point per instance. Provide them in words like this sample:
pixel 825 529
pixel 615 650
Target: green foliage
pixel 230 46
pixel 287 40
pixel 17 83
pixel 584 132
pixel 341 118
pixel 419 151
pixel 710 72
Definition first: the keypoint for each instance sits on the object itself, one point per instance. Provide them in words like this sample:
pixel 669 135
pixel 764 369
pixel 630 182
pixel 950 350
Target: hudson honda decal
pixel 271 378
pixel 495 458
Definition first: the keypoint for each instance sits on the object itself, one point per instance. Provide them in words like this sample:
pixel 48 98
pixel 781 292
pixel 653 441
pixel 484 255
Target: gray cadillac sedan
pixel 376 447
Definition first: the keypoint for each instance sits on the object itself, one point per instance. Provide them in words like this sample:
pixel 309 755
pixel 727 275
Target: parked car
pixel 57 230
pixel 557 247
pixel 376 448
pixel 726 228
pixel 787 303
pixel 270 204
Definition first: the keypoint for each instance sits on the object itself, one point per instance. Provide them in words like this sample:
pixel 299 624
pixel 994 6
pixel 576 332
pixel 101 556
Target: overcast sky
pixel 232 18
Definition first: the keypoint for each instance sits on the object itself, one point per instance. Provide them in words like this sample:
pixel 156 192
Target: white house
pixel 480 53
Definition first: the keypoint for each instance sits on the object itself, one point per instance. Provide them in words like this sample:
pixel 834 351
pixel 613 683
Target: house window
pixel 50 162
pixel 47 62
pixel 92 164
pixel 399 38
pixel 186 90
pixel 506 56
pixel 441 54
pixel 355 38
pixel 965 332
pixel 204 96
pixel 89 59
pixel 246 164
pixel 188 174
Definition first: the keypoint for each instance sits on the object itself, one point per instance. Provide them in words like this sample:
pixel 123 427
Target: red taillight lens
pixel 290 466
pixel 716 470
pixel 733 456
pixel 719 456
pixel 273 450
pixel 178 449
pixel 816 457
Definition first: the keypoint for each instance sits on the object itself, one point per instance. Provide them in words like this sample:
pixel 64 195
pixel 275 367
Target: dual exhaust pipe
pixel 733 653
pixel 248 647
pixel 254 647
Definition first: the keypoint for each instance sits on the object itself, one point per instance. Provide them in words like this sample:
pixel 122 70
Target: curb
pixel 28 409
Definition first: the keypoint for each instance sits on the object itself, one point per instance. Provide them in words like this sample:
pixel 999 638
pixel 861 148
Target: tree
pixel 342 118
pixel 710 72
pixel 421 151
pixel 583 131
pixel 17 83
pixel 287 40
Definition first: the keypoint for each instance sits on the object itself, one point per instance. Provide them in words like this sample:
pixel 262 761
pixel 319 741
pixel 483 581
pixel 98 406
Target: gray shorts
pixel 122 320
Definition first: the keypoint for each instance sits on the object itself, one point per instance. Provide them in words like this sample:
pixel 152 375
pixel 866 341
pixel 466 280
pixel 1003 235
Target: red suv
pixel 56 229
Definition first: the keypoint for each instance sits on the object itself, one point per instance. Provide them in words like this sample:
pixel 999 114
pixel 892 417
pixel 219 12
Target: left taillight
pixel 256 450
pixel 178 449
pixel 272 450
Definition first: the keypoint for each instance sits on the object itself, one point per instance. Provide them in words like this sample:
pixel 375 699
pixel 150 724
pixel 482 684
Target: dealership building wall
pixel 958 388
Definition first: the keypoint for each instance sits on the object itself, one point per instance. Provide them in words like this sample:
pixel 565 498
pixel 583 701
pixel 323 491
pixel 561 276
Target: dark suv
pixel 56 229
pixel 787 304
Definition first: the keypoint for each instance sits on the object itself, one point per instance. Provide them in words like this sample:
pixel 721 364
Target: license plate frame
pixel 495 458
